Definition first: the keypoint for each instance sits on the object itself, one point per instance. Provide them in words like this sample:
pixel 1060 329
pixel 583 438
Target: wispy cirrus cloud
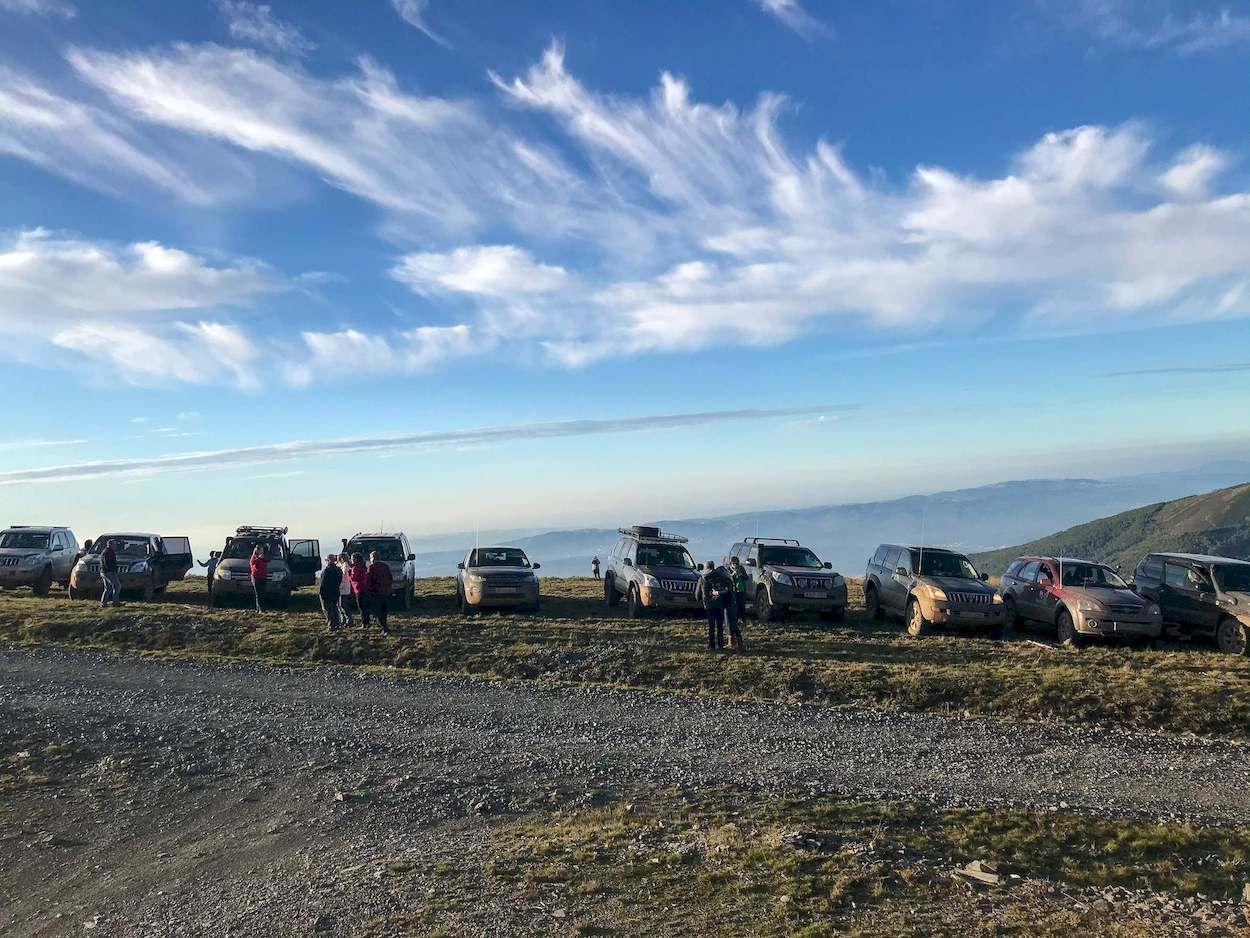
pixel 39 7
pixel 6 445
pixel 303 449
pixel 413 12
pixel 792 14
pixel 1155 24
pixel 1215 368
pixel 256 23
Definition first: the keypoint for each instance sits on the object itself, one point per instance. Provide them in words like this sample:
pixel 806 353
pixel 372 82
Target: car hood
pixel 800 571
pixel 486 571
pixel 20 552
pixel 1104 596
pixel 1243 603
pixel 957 584
pixel 670 573
pixel 244 565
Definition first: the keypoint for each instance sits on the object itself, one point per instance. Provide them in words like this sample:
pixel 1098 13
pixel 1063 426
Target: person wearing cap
pixel 714 590
pixel 328 591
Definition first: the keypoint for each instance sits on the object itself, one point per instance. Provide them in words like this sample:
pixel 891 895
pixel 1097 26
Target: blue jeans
pixel 330 606
pixel 112 589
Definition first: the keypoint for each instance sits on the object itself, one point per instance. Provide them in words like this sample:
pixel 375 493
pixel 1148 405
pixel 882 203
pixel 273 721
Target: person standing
pixel 594 565
pixel 328 590
pixel 345 591
pixel 742 583
pixel 359 577
pixel 379 582
pixel 713 590
pixel 210 568
pixel 259 570
pixel 108 572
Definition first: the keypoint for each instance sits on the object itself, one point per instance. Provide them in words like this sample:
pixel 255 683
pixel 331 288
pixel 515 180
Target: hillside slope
pixel 1215 523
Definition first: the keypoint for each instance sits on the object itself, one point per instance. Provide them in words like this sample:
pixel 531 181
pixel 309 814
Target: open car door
pixel 177 560
pixel 305 561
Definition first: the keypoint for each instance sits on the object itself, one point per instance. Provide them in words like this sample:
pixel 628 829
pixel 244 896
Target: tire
pixel 917 624
pixel 535 607
pixel 1065 630
pixel 73 593
pixel 836 614
pixel 465 608
pixel 405 597
pixel 635 606
pixel 213 599
pixel 610 595
pixel 149 590
pixel 1011 618
pixel 43 585
pixel 872 603
pixel 765 611
pixel 1232 637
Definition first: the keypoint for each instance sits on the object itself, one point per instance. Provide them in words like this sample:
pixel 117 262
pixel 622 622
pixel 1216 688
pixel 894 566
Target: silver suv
pixel 495 577
pixel 650 570
pixel 394 551
pixel 36 557
pixel 786 576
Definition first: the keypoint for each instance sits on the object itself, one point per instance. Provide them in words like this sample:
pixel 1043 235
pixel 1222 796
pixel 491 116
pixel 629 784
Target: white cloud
pixel 6 445
pixel 39 7
pixel 352 351
pixel 256 23
pixel 193 353
pixel 792 14
pixel 413 13
pixel 1155 24
pixel 1191 175
pixel 488 270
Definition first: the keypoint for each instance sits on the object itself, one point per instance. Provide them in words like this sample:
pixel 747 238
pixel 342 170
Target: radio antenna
pixel 924 520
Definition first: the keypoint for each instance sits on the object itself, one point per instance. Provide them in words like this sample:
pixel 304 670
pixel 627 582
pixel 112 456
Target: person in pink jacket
pixel 358 573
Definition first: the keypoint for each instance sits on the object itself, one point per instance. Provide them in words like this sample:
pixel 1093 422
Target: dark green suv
pixel 1200 596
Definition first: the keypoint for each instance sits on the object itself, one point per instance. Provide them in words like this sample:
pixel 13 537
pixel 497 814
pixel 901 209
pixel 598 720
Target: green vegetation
pixel 734 863
pixel 578 640
pixel 1215 523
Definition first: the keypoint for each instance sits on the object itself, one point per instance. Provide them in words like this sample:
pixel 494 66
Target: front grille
pixel 10 561
pixel 813 583
pixel 1126 609
pixel 505 579
pixel 678 586
pixel 970 599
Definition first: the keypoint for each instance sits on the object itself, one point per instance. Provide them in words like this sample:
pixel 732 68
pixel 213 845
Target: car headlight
pixel 277 575
pixel 649 581
pixel 472 579
pixel 139 566
pixel 221 573
pixel 998 599
pixel 782 578
pixel 32 561
pixel 935 593
pixel 837 579
pixel 1088 605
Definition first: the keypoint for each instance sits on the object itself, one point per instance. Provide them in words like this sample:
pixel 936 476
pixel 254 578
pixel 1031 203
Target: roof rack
pixel 787 541
pixel 258 530
pixel 654 535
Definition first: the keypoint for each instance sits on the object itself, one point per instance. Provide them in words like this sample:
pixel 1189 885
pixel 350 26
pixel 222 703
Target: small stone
pixel 1102 907
pixel 559 913
pixel 1245 895
pixel 340 796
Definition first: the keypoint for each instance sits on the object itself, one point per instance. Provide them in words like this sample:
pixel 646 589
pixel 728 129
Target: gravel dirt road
pixel 241 799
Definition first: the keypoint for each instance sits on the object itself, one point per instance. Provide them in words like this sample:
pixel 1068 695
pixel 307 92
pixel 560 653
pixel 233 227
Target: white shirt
pixel 345 588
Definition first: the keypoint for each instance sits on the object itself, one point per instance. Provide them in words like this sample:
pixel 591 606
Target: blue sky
pixel 284 262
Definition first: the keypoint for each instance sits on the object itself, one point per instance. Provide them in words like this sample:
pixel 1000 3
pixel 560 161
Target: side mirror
pixel 460 566
pixel 58 547
pixel 751 562
pixel 412 557
pixel 536 566
pixel 900 571
pixel 344 543
pixel 627 562
pixel 985 577
pixel 828 565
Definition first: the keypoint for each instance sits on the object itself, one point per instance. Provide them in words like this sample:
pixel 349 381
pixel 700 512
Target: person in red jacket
pixel 259 569
pixel 378 584
pixel 358 575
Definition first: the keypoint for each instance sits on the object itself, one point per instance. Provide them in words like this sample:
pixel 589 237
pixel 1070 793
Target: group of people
pixel 348 582
pixel 723 592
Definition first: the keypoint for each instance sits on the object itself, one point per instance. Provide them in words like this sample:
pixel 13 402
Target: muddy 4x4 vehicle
pixel 788 577
pixel 929 586
pixel 394 551
pixel 496 577
pixel 36 557
pixel 1077 598
pixel 1200 596
pixel 146 564
pixel 650 570
pixel 292 564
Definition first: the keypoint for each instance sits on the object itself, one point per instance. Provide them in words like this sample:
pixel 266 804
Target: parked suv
pixel 36 557
pixel 650 570
pixel 786 576
pixel 929 586
pixel 292 563
pixel 146 564
pixel 1200 597
pixel 1077 597
pixel 394 551
pixel 496 577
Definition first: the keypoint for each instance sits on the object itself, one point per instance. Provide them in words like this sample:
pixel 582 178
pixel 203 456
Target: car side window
pixel 631 551
pixel 1013 568
pixel 891 559
pixel 1177 576
pixel 1150 570
pixel 878 559
pixel 1047 570
pixel 1028 572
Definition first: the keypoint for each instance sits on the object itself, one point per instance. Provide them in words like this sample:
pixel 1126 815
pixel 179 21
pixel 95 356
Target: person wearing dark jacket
pixel 714 590
pixel 108 572
pixel 328 590
pixel 378 585
pixel 742 583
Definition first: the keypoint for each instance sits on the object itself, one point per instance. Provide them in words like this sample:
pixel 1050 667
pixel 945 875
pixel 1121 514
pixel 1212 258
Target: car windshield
pixel 952 565
pixel 388 549
pixel 498 557
pixel 24 540
pixel 790 557
pixel 1091 575
pixel 124 546
pixel 664 555
pixel 240 548
pixel 1233 577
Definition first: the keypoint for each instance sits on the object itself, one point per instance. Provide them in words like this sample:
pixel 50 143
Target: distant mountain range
pixel 975 520
pixel 1215 523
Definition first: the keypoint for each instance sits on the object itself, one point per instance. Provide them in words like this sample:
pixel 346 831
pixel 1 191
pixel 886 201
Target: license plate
pixel 504 589
pixel 815 594
pixel 973 615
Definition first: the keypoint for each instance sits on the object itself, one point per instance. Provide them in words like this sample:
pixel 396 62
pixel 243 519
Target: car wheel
pixel 535 607
pixel 465 608
pixel 1232 637
pixel 43 585
pixel 635 603
pixel 149 590
pixel 1065 630
pixel 1010 617
pixel 73 593
pixel 765 611
pixel 213 598
pixel 836 614
pixel 872 603
pixel 610 595
pixel 405 597
pixel 917 624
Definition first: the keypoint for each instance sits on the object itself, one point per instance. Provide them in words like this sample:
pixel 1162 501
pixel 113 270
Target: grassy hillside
pixel 1215 523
